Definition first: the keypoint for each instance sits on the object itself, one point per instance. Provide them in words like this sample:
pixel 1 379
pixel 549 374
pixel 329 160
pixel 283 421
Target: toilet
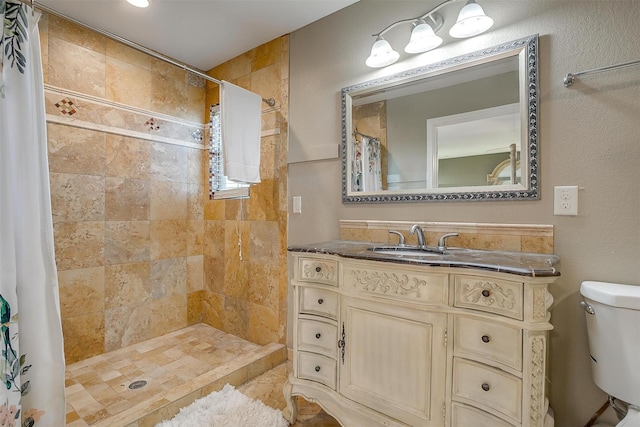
pixel 613 328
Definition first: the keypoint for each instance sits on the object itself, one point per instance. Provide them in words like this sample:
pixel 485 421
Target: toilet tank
pixel 613 327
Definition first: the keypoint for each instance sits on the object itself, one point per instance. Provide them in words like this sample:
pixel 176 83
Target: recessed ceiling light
pixel 139 3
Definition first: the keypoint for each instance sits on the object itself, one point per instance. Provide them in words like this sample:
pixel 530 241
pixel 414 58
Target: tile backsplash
pixel 536 238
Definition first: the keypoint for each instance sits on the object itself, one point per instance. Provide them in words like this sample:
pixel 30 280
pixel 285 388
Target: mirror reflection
pixel 465 128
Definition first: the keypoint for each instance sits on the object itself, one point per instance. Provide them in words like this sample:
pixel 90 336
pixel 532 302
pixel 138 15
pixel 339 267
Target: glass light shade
pixel 382 54
pixel 139 3
pixel 471 21
pixel 422 39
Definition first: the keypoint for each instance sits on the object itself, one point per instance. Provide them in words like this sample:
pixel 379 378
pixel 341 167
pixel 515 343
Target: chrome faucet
pixel 417 230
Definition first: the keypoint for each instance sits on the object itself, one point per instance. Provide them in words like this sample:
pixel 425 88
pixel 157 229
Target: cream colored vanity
pixel 418 342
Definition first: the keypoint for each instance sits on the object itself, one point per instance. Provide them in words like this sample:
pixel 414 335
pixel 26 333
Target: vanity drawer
pixel 318 301
pixel 466 416
pixel 318 271
pixel 487 388
pixel 397 283
pixel 315 367
pixel 317 336
pixel 491 295
pixel 490 340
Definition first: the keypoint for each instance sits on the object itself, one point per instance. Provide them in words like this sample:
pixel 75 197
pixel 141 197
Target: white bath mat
pixel 226 408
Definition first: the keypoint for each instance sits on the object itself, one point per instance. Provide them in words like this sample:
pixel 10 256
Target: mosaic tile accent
pixel 66 107
pixel 197 135
pixel 151 124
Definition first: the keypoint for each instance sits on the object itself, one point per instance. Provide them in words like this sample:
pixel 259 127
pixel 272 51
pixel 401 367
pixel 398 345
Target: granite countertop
pixel 521 263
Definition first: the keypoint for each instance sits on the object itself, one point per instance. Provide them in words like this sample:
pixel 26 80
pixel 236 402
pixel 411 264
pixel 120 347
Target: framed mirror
pixel 461 129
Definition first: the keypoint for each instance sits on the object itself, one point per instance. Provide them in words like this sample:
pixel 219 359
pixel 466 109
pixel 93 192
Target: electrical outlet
pixel 565 200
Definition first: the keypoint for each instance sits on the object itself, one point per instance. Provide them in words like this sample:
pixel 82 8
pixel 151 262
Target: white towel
pixel 240 121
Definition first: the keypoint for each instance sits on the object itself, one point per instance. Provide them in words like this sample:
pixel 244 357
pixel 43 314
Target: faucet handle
pixel 442 241
pixel 401 241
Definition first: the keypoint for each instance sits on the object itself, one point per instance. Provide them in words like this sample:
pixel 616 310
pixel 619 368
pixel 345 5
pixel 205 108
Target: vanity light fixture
pixel 139 3
pixel 471 22
pixel 423 38
pixel 382 54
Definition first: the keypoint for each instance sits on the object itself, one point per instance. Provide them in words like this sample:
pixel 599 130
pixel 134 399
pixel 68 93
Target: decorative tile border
pixel 75 109
pixel 89 112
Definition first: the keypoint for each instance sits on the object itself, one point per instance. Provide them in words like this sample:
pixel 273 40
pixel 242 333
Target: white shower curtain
pixel 32 354
pixel 369 164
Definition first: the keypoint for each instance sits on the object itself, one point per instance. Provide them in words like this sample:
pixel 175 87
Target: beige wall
pixel 588 137
pixel 245 241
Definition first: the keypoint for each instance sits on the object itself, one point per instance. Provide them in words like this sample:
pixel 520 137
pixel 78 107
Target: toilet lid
pixel 612 294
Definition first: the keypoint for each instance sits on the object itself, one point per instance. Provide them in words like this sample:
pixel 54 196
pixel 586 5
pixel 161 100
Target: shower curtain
pixel 32 355
pixel 367 170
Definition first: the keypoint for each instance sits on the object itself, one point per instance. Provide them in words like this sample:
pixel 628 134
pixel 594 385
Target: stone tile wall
pixel 245 263
pixel 127 173
pixel 140 251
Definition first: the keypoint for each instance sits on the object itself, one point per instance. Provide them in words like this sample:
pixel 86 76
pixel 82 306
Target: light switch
pixel 297 204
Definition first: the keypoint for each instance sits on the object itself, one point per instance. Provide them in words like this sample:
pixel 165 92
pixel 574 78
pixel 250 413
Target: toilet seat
pixel 632 419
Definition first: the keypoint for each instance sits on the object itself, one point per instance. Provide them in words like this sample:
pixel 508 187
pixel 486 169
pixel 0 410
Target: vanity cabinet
pixel 390 344
pixel 385 350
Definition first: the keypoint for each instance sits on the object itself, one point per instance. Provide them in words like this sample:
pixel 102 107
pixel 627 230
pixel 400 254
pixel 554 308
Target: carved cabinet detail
pixel 387 344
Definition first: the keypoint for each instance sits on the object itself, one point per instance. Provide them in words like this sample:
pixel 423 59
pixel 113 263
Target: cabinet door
pixel 394 360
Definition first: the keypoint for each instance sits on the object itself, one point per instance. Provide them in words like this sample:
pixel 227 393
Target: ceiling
pixel 199 33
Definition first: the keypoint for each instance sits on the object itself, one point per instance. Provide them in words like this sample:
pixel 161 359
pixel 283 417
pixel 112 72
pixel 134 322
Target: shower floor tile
pixel 177 367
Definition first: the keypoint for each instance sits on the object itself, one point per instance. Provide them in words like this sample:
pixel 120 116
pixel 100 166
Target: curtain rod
pixel 270 102
pixel 569 79
pixel 365 135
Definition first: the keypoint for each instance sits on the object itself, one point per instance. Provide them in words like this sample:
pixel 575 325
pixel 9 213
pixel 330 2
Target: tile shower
pixel 141 252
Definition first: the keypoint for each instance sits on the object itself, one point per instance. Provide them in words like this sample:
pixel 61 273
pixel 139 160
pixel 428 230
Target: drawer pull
pixel 486 293
pixel 320 301
pixel 318 368
pixel 318 335
pixel 486 338
pixel 485 386
pixel 318 269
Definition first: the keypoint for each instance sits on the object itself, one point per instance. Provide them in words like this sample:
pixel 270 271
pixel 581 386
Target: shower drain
pixel 137 384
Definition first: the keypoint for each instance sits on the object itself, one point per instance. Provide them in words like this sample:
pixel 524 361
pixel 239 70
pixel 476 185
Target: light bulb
pixel 471 21
pixel 422 39
pixel 139 3
pixel 382 54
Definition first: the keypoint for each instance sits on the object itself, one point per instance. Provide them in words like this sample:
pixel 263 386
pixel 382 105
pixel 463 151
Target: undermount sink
pixel 402 251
